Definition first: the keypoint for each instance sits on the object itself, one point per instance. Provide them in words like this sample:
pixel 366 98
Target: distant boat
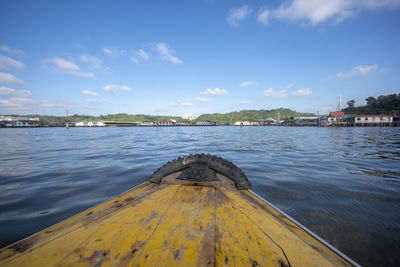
pixel 197 210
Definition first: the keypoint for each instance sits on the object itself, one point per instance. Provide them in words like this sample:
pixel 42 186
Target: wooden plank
pixel 109 234
pixel 175 225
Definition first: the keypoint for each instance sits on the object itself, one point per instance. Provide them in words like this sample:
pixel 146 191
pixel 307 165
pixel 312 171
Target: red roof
pixel 372 116
pixel 337 114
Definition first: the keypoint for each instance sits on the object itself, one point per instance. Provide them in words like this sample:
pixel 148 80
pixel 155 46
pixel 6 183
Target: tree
pixel 384 104
pixel 351 103
pixel 371 101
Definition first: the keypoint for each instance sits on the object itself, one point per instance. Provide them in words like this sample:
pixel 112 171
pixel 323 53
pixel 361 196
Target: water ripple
pixel 343 183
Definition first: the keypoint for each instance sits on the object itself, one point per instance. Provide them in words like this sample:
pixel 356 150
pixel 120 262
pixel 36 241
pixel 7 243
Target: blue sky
pixel 180 57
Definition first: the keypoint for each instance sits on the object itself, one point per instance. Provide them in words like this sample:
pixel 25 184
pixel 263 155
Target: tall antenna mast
pixel 67 124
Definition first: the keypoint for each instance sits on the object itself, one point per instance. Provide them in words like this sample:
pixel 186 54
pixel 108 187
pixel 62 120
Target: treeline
pixel 249 115
pixel 108 117
pixel 383 105
pixel 222 118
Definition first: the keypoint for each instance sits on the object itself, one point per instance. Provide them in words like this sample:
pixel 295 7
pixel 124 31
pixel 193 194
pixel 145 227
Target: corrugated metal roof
pixel 336 113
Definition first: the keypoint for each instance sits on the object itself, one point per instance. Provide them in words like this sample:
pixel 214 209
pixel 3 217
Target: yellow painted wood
pixel 174 225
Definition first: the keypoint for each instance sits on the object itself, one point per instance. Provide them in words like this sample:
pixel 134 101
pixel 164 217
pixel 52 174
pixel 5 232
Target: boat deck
pixel 175 225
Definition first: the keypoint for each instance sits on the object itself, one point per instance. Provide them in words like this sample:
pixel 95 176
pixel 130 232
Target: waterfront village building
pixel 90 124
pixel 242 123
pixel 146 123
pixel 205 123
pixel 17 124
pixel 306 121
pixel 336 118
pixel 13 121
pixel 185 123
pixel 164 123
pixel 267 121
pixel 370 119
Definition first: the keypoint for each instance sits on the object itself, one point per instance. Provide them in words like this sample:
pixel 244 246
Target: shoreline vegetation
pixel 388 105
pixel 220 118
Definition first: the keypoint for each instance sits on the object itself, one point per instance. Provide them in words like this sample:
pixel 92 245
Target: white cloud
pixel 139 54
pixel 302 92
pixel 167 53
pixel 62 64
pixel 360 71
pixel 290 85
pixel 79 45
pixel 9 50
pixel 88 92
pixel 203 99
pixel 263 15
pixel 27 103
pixel 270 92
pixel 7 104
pixel 94 62
pixel 247 83
pixel 114 88
pixel 10 79
pixel 89 107
pixel 7 63
pixel 107 70
pixel 186 103
pixel 17 102
pixel 67 66
pixel 84 74
pixel 143 54
pixel 112 51
pixel 216 91
pixel 318 11
pixel 93 100
pixel 6 91
pixel 244 102
pixel 237 15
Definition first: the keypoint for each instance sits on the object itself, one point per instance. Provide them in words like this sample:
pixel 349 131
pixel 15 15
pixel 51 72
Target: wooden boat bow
pixel 197 210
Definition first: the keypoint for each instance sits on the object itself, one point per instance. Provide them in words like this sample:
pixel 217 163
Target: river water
pixel 342 183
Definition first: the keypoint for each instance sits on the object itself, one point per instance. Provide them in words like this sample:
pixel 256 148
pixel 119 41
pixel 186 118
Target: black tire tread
pixel 215 163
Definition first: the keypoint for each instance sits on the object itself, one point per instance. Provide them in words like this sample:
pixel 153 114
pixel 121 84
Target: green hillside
pixel 231 117
pixel 108 117
pixel 249 115
pixel 384 104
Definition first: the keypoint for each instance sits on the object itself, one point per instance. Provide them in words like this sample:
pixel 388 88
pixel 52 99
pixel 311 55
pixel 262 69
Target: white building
pixel 242 123
pixel 80 124
pixel 372 119
pixel 146 123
